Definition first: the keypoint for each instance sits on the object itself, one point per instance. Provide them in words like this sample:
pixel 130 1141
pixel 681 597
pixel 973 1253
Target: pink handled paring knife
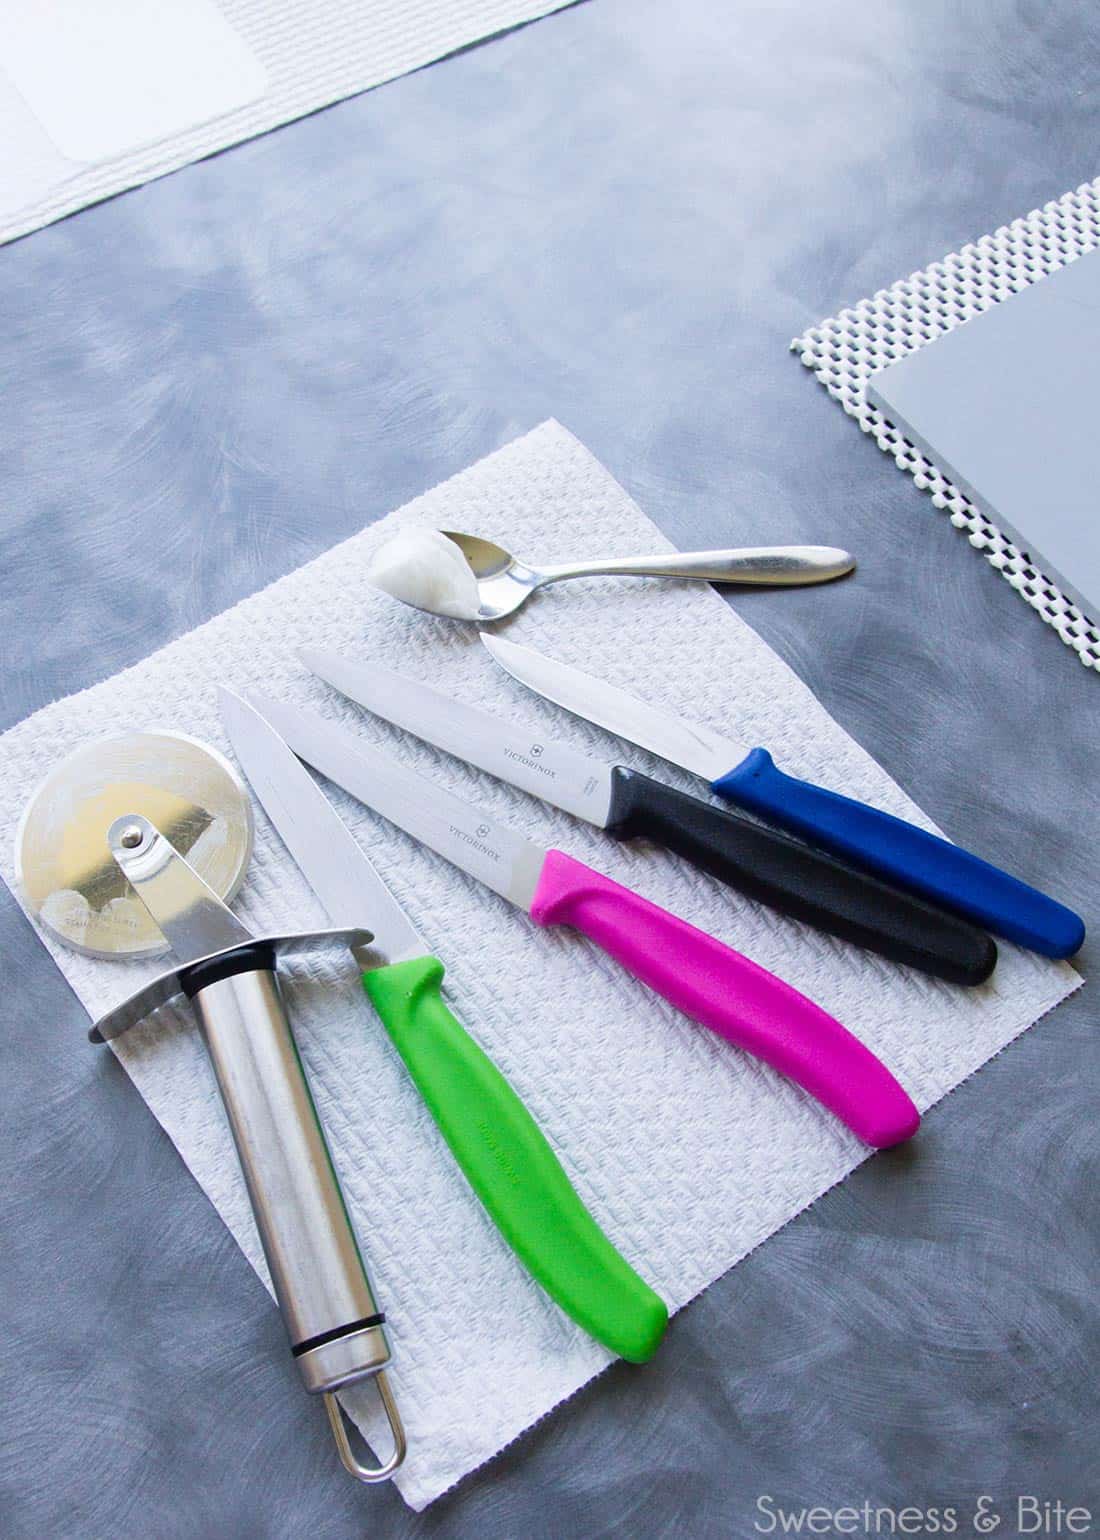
pixel 700 975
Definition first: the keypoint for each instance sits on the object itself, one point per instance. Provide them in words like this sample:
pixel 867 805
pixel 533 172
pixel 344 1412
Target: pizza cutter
pixel 134 845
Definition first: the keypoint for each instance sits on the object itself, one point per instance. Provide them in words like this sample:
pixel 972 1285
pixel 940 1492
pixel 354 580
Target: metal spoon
pixel 504 582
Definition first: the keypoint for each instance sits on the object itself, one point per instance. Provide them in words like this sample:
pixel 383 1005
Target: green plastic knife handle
pixel 508 1162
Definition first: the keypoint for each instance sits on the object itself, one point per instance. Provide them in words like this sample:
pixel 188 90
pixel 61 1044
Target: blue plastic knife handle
pixel 904 854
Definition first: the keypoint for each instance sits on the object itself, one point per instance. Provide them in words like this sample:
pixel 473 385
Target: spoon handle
pixel 766 564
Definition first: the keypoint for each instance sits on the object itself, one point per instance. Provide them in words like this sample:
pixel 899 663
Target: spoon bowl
pixel 504 582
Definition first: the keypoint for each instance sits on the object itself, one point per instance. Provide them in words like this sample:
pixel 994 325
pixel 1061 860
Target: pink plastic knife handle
pixel 719 988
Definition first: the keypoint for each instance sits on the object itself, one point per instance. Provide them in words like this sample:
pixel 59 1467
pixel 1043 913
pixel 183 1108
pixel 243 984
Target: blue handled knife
pixel 876 841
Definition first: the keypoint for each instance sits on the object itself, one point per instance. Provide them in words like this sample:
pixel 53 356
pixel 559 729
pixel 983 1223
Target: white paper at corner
pixel 115 76
pixel 688 1152
pixel 97 96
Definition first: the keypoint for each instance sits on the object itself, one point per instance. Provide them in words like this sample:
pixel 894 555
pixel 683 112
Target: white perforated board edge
pixel 846 350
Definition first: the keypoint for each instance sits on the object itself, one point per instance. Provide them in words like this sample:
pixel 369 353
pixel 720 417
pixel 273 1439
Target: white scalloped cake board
pixel 845 351
pixel 688 1152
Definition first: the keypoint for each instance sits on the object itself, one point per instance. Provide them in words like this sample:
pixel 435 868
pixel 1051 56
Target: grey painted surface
pixel 618 217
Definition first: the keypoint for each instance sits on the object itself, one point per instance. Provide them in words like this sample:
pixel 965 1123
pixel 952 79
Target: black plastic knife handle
pixel 798 881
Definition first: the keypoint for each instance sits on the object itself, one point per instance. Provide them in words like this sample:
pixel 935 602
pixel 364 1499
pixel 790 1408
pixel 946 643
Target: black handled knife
pixel 779 871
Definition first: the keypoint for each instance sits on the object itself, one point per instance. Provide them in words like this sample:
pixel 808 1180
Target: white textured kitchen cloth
pixel 844 352
pixel 313 52
pixel 688 1152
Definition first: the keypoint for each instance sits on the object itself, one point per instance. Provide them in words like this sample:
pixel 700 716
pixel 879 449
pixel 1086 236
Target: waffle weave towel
pixel 688 1152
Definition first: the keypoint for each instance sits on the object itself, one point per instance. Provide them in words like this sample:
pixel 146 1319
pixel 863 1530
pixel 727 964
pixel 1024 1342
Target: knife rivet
pixel 131 837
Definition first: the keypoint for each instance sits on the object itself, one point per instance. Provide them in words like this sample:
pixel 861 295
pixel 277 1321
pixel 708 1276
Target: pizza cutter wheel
pixel 69 879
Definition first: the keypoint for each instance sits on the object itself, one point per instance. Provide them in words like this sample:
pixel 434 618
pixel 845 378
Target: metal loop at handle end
pixel 368 1474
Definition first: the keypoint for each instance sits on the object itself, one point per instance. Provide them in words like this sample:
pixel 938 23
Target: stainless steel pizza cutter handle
pixel 328 1306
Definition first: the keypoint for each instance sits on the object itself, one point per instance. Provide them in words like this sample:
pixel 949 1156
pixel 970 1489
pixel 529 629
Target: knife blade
pixel 769 866
pixel 700 975
pixel 509 750
pixel 876 841
pixel 493 1137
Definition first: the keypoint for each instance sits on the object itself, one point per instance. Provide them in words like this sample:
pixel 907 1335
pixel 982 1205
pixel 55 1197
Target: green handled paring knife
pixel 499 1147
